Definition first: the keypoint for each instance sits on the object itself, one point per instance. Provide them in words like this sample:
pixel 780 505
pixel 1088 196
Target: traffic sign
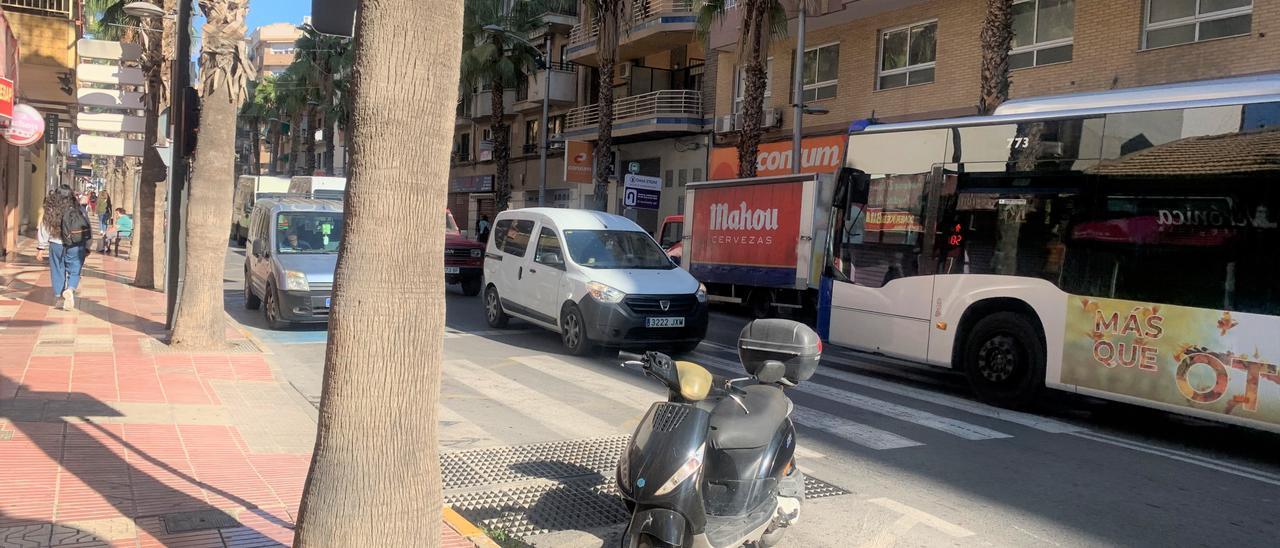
pixel 632 180
pixel 640 198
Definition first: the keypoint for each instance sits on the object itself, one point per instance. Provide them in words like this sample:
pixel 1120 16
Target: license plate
pixel 326 301
pixel 664 322
pixel 451 270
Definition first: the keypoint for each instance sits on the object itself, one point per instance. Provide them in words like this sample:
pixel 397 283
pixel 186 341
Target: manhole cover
pixel 815 488
pixel 554 461
pixel 182 522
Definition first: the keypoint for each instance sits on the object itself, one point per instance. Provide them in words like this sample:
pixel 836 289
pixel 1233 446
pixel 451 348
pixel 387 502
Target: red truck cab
pixel 463 258
pixel 670 236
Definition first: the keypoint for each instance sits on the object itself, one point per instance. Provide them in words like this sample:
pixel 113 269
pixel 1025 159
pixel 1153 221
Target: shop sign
pixel 6 98
pixel 26 127
pixel 818 155
pixel 471 183
pixel 578 162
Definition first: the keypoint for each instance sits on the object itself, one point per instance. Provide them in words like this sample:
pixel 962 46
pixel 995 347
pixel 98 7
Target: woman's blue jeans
pixel 64 265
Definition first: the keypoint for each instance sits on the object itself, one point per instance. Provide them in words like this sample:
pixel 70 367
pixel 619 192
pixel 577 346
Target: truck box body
pixel 762 232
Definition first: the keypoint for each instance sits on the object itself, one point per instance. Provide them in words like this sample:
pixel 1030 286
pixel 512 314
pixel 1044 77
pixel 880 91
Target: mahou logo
pixel 742 218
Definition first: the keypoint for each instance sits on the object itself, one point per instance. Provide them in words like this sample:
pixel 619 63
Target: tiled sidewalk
pixel 108 439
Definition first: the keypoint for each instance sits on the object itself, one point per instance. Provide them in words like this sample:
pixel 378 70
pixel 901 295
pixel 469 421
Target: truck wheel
pixel 471 287
pixel 573 332
pixel 251 301
pixel 761 303
pixel 493 312
pixel 1004 360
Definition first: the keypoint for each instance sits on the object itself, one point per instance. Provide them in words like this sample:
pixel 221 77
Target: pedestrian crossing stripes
pixel 611 402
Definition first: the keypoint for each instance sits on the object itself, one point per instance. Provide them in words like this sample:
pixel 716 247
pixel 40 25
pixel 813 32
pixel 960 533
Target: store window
pixel 1042 32
pixel 908 55
pixel 1173 22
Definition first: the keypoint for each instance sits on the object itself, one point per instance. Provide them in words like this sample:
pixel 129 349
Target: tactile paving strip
pixel 583 496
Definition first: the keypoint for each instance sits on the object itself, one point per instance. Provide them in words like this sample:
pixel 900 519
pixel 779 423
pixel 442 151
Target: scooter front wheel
pixel 647 541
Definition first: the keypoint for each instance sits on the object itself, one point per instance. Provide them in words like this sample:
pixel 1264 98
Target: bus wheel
pixel 1004 360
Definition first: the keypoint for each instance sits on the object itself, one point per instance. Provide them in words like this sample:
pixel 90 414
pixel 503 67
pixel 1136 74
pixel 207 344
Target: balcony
pixel 564 84
pixel 657 25
pixel 463 111
pixel 561 15
pixel 666 111
pixel 50 8
pixel 483 103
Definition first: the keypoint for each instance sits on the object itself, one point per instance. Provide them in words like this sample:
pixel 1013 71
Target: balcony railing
pixel 664 102
pixel 56 8
pixel 562 7
pixel 641 12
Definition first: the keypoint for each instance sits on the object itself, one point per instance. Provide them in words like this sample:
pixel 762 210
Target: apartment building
pixel 271 47
pixel 472 173
pixel 920 59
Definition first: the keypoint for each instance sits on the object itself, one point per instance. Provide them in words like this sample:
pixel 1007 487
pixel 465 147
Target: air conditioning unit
pixel 724 124
pixel 624 70
pixel 772 117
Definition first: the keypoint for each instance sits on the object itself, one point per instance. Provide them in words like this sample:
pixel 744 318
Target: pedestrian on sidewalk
pixel 84 203
pixel 482 229
pixel 103 210
pixel 124 229
pixel 64 237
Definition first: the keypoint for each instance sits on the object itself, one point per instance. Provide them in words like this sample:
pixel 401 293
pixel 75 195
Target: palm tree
pixel 375 474
pixel 255 112
pixel 499 60
pixel 607 17
pixel 324 61
pixel 109 21
pixel 224 72
pixel 292 95
pixel 996 39
pixel 761 21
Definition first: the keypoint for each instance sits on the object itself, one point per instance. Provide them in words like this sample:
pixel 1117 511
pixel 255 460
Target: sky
pixel 265 12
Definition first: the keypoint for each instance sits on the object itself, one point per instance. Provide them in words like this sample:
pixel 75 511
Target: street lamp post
pixel 546 94
pixel 797 93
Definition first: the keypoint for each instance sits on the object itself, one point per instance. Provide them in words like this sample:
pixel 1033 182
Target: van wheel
pixel 251 301
pixel 493 312
pixel 1004 360
pixel 573 331
pixel 471 287
pixel 272 310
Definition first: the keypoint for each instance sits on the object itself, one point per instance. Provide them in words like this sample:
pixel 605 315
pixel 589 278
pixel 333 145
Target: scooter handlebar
pixel 630 357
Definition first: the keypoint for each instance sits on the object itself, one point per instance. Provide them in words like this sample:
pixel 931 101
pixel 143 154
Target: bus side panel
pixel 954 293
pixel 891 320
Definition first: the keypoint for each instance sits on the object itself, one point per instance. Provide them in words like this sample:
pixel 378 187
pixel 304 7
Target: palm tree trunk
pixel 310 137
pixel 154 174
pixel 295 143
pixel 501 147
pixel 607 47
pixel 375 475
pixel 256 128
pixel 757 38
pixel 328 148
pixel 276 142
pixel 200 321
pixel 997 37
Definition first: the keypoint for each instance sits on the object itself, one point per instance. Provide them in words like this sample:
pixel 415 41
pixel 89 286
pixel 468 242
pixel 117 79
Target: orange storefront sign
pixel 578 164
pixel 818 154
pixel 6 98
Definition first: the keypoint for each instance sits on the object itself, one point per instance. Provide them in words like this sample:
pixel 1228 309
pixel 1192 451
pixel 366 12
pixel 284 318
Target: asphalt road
pixel 923 463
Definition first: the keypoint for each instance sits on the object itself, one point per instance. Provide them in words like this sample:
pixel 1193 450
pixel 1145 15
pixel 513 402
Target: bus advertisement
pixel 1127 249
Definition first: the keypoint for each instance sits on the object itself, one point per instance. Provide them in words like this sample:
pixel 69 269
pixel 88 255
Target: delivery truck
pixel 758 241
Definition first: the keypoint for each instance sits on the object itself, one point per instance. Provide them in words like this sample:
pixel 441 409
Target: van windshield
pixel 308 232
pixel 615 249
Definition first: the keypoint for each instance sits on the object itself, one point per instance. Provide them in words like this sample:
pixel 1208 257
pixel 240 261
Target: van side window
pixel 549 252
pixel 515 240
pixel 499 234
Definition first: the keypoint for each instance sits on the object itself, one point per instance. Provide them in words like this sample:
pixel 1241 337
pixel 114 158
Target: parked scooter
pixel 714 466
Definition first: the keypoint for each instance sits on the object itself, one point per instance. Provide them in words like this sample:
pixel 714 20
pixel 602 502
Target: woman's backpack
pixel 75 228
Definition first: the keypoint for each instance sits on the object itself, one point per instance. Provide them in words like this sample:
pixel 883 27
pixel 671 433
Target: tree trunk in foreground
pixel 375 475
pixel 200 322
pixel 996 38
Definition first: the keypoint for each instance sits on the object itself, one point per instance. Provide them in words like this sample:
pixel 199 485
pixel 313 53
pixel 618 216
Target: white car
pixel 614 287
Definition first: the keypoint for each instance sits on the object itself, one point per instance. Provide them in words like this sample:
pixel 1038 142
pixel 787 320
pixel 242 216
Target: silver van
pixel 290 257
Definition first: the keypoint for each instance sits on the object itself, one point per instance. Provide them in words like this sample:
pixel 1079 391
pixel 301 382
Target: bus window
pixel 878 233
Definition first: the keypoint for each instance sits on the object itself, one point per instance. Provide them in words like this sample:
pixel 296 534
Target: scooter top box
pixel 792 343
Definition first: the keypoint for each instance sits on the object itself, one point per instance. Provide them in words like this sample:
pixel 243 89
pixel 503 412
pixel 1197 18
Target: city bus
pixel 1121 245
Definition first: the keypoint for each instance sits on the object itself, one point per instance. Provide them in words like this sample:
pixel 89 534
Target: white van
pixel 595 278
pixel 250 189
pixel 319 187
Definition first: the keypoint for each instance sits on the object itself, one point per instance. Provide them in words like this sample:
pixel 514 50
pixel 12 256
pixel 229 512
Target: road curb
pixel 262 347
pixel 467 529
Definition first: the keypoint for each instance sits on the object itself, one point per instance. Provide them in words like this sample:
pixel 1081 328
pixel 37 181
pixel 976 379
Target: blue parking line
pixel 292 336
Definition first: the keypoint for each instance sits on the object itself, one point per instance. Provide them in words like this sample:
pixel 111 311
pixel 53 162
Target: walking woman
pixel 64 234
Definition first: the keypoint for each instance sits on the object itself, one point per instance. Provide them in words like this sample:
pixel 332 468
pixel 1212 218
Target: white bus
pixel 1122 245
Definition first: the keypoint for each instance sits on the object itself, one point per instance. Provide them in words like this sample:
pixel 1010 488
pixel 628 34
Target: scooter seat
pixel 733 428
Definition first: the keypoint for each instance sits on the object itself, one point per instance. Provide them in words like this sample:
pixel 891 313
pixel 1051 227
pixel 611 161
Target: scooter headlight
pixel 686 470
pixel 624 471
